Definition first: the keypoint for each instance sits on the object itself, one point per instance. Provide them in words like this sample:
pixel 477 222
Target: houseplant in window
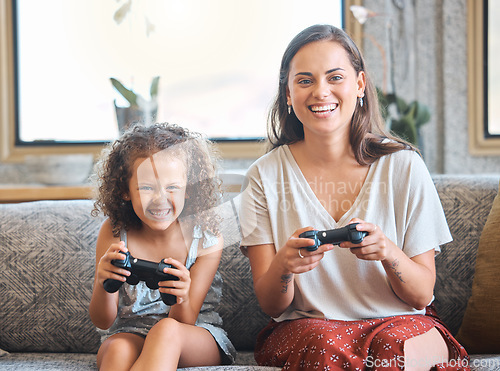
pixel 139 109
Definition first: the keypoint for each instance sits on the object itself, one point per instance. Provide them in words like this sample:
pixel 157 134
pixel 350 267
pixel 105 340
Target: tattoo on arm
pixel 394 267
pixel 285 280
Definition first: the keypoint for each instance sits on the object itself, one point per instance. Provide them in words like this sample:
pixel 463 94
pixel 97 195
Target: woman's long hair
pixel 367 132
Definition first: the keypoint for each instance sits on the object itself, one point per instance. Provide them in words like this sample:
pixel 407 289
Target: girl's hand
pixel 106 270
pixel 375 245
pixel 294 256
pixel 178 288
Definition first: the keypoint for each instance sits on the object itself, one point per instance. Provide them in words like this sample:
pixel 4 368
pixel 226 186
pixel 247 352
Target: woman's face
pixel 323 88
pixel 157 189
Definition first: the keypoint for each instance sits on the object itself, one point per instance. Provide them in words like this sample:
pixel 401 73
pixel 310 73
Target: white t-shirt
pixel 398 195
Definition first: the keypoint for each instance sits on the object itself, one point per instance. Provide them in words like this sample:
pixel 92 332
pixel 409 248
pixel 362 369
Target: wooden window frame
pixel 11 152
pixel 479 143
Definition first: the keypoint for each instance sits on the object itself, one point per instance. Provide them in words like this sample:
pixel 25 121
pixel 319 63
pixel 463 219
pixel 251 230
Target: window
pixel 217 60
pixel 484 82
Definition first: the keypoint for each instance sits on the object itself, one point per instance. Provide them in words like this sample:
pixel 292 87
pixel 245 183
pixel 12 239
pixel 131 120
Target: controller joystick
pixel 142 270
pixel 334 236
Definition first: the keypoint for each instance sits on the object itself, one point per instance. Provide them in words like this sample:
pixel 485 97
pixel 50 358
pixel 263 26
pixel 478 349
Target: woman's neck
pixel 321 152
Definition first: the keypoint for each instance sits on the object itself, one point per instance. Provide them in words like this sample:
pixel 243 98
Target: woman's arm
pixel 103 305
pixel 273 272
pixel 412 279
pixel 193 285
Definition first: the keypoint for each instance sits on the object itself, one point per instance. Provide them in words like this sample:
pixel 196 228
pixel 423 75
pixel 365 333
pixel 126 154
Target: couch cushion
pixel 480 330
pixel 46 275
pixel 466 201
pixel 239 309
pixel 47 271
pixel 81 362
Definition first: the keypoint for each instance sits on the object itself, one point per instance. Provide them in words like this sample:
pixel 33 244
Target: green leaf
pixel 128 94
pixel 122 12
pixel 153 91
pixel 405 128
pixel 401 105
pixel 423 115
pixel 383 104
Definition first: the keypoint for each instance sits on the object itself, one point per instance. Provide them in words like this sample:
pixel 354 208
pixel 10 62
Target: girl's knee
pixel 168 327
pixel 120 350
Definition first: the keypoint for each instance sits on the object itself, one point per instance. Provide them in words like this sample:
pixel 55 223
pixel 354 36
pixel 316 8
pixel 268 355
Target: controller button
pixel 135 260
pixel 324 234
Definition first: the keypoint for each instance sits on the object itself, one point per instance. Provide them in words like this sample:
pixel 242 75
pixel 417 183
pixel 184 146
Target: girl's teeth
pixel 159 213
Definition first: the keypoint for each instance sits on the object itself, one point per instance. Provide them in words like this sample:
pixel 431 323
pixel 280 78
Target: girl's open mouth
pixel 159 213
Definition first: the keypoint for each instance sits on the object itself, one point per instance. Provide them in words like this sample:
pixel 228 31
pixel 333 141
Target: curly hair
pixel 285 128
pixel 114 170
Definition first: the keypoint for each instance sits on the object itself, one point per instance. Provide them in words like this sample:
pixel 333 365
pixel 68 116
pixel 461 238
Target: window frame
pixel 10 151
pixel 479 143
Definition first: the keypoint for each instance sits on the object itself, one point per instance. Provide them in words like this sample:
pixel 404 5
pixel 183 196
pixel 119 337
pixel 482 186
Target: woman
pixel 332 164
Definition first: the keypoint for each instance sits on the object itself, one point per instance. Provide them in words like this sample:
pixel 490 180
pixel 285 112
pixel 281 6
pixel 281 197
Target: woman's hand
pixel 178 288
pixel 294 256
pixel 412 279
pixel 375 246
pixel 106 270
pixel 273 271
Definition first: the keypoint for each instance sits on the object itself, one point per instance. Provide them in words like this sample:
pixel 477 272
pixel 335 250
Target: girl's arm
pixel 103 305
pixel 193 285
pixel 412 279
pixel 273 272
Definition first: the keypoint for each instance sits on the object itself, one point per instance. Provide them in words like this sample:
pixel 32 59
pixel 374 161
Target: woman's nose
pixel 321 90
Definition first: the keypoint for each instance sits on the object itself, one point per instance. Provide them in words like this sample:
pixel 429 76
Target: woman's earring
pixel 361 101
pixel 290 110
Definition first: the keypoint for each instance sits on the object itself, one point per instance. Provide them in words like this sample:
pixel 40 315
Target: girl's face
pixel 323 88
pixel 157 189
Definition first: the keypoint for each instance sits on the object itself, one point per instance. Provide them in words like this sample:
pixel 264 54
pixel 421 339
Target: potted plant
pixel 139 109
pixel 407 119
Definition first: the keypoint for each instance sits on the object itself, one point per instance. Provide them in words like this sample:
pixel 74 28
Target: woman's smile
pixel 323 110
pixel 323 88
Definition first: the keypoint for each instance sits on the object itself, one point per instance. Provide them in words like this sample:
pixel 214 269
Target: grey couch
pixel 47 267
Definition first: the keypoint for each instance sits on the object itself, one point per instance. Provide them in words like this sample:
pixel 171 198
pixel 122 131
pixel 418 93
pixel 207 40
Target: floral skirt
pixel 374 344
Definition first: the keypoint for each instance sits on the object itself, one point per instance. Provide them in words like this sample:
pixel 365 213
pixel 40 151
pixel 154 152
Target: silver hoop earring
pixel 361 101
pixel 290 110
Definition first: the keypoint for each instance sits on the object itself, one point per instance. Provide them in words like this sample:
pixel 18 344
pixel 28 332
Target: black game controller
pixel 334 236
pixel 142 270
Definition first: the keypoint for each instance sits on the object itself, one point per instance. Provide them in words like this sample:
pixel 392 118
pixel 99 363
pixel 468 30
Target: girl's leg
pixel 424 351
pixel 119 351
pixel 171 344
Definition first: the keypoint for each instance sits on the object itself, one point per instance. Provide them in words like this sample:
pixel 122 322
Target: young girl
pixel 157 186
pixel 353 306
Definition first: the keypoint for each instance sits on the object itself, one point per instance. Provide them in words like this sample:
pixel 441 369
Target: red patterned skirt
pixel 374 344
